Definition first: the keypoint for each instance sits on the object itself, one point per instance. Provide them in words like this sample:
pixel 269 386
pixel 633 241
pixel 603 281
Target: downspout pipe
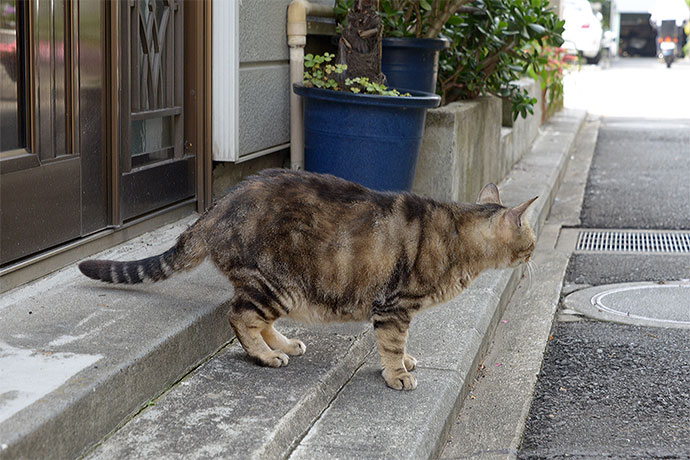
pixel 297 13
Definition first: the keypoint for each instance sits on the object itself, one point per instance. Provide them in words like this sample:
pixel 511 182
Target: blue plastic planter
pixel 369 139
pixel 412 63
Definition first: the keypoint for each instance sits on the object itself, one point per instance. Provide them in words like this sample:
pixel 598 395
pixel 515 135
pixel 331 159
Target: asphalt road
pixel 639 175
pixel 608 390
pixel 596 269
pixel 611 391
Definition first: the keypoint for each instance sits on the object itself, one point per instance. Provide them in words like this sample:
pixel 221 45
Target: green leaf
pixel 538 29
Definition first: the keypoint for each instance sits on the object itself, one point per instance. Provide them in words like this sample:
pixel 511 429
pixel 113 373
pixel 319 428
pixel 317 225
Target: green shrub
pixel 490 42
pixel 490 49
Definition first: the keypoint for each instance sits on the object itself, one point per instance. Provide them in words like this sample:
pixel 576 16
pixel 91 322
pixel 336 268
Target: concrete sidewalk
pixel 492 420
pixel 82 358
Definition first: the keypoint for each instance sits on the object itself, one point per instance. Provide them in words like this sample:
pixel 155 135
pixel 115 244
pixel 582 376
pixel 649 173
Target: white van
pixel 583 29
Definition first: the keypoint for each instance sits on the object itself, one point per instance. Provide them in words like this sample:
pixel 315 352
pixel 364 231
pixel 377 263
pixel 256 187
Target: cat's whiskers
pixel 531 270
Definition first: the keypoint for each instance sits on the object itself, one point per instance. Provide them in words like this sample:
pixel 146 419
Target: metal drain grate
pixel 633 241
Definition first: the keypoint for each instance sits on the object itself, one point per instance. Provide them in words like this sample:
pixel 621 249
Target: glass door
pixel 52 169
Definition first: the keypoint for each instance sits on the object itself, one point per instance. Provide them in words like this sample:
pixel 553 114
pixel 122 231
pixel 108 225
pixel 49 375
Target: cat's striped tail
pixel 185 255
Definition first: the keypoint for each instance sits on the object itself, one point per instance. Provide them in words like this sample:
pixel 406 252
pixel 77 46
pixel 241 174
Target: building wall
pixel 264 98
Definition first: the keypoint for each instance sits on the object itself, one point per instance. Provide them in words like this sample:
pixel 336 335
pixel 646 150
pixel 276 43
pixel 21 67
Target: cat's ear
pixel 514 215
pixel 489 195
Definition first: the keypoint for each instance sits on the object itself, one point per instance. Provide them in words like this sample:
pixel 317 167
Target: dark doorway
pixel 637 37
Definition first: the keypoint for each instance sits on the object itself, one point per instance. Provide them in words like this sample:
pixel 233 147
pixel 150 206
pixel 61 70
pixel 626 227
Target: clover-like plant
pixel 321 73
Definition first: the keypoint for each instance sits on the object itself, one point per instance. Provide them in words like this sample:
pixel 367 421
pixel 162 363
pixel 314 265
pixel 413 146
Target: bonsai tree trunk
pixel 360 43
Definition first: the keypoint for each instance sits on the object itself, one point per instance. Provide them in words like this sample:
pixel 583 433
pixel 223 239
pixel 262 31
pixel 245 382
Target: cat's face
pixel 514 236
pixel 519 242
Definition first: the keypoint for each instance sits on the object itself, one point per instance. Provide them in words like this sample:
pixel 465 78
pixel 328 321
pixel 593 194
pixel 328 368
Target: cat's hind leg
pixel 391 334
pixel 278 341
pixel 248 320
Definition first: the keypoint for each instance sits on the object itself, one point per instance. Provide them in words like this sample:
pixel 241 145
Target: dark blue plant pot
pixel 369 139
pixel 412 63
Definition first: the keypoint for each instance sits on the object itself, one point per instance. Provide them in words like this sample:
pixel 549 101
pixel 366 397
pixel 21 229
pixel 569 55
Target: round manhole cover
pixel 662 304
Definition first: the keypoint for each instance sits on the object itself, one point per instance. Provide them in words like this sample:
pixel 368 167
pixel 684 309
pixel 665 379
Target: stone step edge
pixel 68 431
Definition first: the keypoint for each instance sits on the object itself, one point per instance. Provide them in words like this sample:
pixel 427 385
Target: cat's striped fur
pixel 318 248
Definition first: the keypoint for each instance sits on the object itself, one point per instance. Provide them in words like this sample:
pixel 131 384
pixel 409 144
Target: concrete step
pixel 77 357
pixel 232 408
pixel 332 402
pixel 492 418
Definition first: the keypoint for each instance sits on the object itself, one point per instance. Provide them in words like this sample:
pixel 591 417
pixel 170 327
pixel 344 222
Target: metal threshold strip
pixel 626 241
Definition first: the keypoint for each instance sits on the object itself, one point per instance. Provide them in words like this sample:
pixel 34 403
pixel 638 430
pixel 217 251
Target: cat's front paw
pixel 295 347
pixel 399 379
pixel 409 362
pixel 274 359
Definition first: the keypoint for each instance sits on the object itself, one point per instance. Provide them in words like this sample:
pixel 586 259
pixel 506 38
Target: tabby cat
pixel 318 248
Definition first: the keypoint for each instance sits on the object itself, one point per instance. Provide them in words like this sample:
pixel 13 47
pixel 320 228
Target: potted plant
pixel 411 42
pixel 464 146
pixel 355 126
pixel 483 44
pixel 361 130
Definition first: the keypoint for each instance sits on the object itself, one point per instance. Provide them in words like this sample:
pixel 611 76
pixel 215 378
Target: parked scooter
pixel 668 41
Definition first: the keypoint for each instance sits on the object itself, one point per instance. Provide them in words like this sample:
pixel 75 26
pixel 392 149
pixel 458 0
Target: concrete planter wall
pixel 465 146
pixel 522 132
